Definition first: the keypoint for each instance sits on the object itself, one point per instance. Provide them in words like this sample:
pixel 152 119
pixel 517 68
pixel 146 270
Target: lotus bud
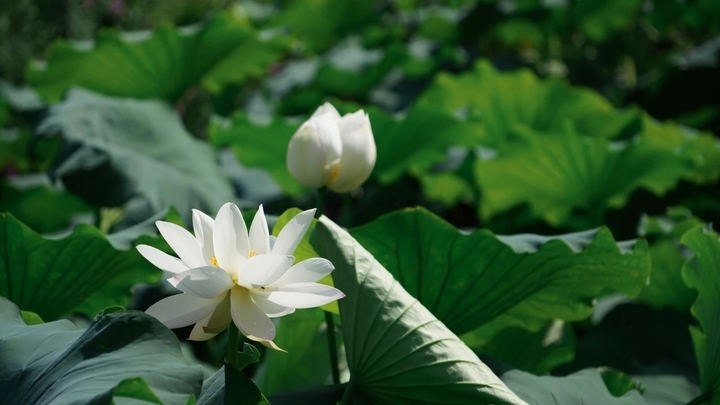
pixel 332 151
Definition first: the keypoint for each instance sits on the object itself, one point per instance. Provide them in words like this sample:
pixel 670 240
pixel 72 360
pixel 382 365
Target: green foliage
pixel 557 173
pixel 81 272
pixel 397 351
pixel 128 148
pixel 163 64
pixel 598 19
pixel 703 274
pixel 479 280
pixel 584 387
pixel 535 352
pixel 120 355
pixel 42 208
pixel 666 287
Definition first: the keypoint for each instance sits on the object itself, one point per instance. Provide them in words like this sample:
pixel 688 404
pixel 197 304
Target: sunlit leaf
pixel 494 282
pixel 81 272
pixel 557 173
pixel 118 149
pixel 160 64
pixel 122 354
pixel 397 351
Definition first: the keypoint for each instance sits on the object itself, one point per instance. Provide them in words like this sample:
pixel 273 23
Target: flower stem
pixel 233 337
pixel 320 202
pixel 347 395
pixel 332 348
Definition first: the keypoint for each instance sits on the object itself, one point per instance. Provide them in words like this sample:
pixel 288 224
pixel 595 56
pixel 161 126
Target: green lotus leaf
pixel 162 64
pixel 480 280
pixel 397 351
pixel 123 354
pixel 81 272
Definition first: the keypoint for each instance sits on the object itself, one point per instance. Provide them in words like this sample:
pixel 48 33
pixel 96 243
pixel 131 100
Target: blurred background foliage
pixel 542 116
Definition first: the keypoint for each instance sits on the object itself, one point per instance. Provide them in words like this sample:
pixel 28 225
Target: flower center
pixel 252 253
pixel 213 261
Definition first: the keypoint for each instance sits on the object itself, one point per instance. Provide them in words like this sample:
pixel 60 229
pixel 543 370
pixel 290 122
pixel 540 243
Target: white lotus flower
pixel 333 151
pixel 227 274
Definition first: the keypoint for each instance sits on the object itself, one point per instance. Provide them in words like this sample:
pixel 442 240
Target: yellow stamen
pixel 252 253
pixel 213 261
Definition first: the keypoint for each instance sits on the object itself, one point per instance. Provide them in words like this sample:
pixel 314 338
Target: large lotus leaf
pixel 666 288
pixel 82 272
pixel 397 351
pixel 497 103
pixel 162 64
pixel 584 387
pixel 599 19
pixel 556 174
pixel 703 274
pixel 126 148
pixel 667 389
pixel 495 282
pixel 121 354
pixel 537 352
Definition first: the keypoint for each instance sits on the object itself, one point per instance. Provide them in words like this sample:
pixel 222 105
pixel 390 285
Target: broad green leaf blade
pixel 667 389
pixel 130 148
pixel 560 172
pixel 584 387
pixel 57 363
pixel 397 351
pixel 666 288
pixel 55 277
pixel 498 103
pixel 162 64
pixel 480 279
pixel 703 274
pixel 535 352
pixel 303 335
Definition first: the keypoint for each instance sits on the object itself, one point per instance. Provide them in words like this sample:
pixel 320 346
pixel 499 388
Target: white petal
pixel 183 243
pixel 314 150
pixel 162 260
pixel 250 319
pixel 198 333
pixel 358 152
pixel 203 226
pixel 327 108
pixel 230 238
pixel 271 309
pixel 303 295
pixel 214 323
pixel 259 233
pixel 182 309
pixel 262 270
pixel 205 282
pixel 292 233
pixel 273 239
pixel 307 271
